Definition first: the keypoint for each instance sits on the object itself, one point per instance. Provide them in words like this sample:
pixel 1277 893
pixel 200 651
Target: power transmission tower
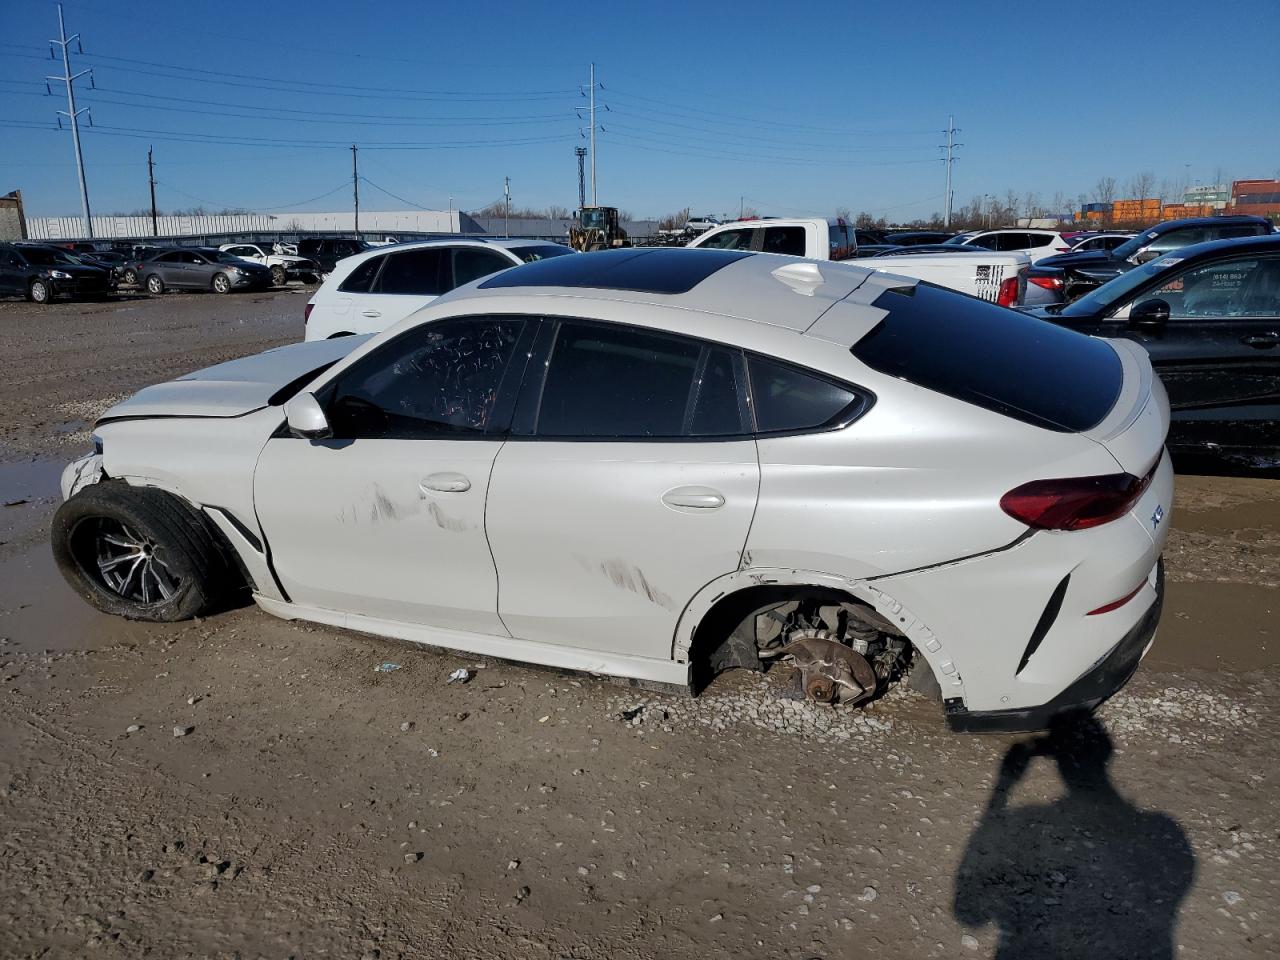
pixel 151 176
pixel 71 112
pixel 950 146
pixel 582 176
pixel 593 133
pixel 355 187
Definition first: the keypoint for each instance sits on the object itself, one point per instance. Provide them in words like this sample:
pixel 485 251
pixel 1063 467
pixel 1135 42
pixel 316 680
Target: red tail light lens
pixel 1117 604
pixel 1008 293
pixel 1048 283
pixel 1077 503
pixel 306 312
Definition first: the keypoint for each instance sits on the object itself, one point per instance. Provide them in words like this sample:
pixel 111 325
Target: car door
pixel 629 483
pixel 197 270
pixel 407 281
pixel 171 268
pixel 387 518
pixel 12 278
pixel 1218 354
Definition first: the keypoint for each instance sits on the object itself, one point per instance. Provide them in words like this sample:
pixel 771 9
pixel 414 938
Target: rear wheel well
pixel 725 636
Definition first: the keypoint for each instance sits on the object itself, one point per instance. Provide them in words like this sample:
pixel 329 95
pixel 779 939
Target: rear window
pixel 1027 369
pixel 542 252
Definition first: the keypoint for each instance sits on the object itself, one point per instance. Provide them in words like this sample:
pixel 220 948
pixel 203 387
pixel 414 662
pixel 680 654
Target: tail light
pixel 1077 503
pixel 306 312
pixel 1117 604
pixel 1048 283
pixel 1008 293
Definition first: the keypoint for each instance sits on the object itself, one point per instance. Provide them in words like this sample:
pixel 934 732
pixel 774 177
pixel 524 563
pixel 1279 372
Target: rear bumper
pixel 1087 692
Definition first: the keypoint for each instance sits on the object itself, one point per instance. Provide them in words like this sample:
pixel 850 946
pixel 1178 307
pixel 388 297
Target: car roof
pixel 1262 243
pixel 764 290
pixel 1227 221
pixel 783 221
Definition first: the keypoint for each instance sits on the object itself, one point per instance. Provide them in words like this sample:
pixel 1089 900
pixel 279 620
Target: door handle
pixel 1261 342
pixel 445 483
pixel 698 498
pixel 372 314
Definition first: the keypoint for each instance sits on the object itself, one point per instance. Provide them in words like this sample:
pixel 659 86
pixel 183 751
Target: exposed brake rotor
pixel 830 672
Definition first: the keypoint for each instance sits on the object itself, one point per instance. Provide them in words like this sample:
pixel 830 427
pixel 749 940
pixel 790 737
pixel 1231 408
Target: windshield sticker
pixel 1164 262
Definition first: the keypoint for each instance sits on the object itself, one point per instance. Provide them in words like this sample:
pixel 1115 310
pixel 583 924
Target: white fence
pixel 373 221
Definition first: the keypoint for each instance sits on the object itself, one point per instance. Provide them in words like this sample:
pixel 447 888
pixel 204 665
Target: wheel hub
pixel 829 671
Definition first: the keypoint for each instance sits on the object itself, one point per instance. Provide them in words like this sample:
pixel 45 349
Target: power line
pixel 256 207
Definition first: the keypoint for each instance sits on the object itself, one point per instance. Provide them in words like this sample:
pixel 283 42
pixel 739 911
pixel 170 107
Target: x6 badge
pixel 1157 516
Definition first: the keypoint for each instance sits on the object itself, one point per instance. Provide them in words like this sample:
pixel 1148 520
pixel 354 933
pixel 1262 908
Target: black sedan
pixel 1070 275
pixel 1209 316
pixel 42 273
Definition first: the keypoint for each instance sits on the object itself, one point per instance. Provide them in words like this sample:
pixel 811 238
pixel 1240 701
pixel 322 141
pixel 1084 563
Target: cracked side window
pixel 438 381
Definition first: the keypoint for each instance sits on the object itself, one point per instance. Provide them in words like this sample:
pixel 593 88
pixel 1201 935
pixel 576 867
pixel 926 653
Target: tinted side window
pixel 1012 241
pixel 1038 240
pixel 361 278
pixel 787 399
pixel 420 272
pixel 470 263
pixel 438 380
pixel 1222 291
pixel 1176 239
pixel 193 258
pixel 841 242
pixel 990 241
pixel 788 240
pixel 618 382
pixel 730 240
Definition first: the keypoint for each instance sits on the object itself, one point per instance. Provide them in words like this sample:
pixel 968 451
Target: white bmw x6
pixel 660 464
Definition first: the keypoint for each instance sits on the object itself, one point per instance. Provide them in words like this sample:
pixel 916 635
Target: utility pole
pixel 71 112
pixel 506 217
pixel 950 147
pixel 151 176
pixel 355 187
pixel 581 153
pixel 594 202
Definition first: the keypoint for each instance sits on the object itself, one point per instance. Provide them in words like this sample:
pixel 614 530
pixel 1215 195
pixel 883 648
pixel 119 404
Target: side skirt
pixel 666 673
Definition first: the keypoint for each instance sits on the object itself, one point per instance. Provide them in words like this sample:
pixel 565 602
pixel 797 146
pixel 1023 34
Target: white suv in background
pixel 373 290
pixel 1036 244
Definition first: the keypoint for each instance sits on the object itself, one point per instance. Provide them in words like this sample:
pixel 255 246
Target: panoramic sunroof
pixel 654 270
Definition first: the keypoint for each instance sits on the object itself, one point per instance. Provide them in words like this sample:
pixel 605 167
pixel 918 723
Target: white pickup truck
pixel 998 277
pixel 284 266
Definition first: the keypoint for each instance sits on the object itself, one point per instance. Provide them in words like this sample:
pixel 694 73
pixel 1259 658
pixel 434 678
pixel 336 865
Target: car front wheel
pixel 221 283
pixel 278 276
pixel 40 292
pixel 137 552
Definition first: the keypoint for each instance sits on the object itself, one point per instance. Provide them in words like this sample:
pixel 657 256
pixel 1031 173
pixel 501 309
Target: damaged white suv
pixel 660 464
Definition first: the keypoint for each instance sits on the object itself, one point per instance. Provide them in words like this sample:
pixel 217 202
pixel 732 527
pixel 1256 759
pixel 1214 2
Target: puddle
pixel 39 612
pixel 30 480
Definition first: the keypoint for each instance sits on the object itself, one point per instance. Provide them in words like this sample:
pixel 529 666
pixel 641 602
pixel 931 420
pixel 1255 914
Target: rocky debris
pixel 868 894
pixel 1180 715
pixel 969 942
pixel 521 896
pixel 461 675
pixel 1231 898
pixel 757 702
pixel 182 731
pixel 413 857
pixel 133 728
pixel 513 864
pixel 406 726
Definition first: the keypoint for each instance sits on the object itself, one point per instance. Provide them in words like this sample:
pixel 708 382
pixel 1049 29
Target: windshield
pixel 222 256
pixel 544 252
pixel 1132 245
pixel 47 256
pixel 592 219
pixel 1103 299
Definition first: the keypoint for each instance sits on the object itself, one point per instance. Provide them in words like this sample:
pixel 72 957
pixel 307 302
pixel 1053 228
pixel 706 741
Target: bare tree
pixel 1104 191
pixel 1059 202
pixel 674 221
pixel 1031 207
pixel 844 213
pixel 1141 185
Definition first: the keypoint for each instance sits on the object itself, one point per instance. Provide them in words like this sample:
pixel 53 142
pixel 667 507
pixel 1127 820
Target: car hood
pixel 78 269
pixel 1085 258
pixel 236 387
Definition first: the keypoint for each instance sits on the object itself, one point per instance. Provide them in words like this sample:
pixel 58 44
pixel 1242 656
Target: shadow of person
pixel 1086 876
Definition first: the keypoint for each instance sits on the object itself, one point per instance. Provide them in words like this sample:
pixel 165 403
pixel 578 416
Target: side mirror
pixel 306 417
pixel 1149 314
pixel 1145 256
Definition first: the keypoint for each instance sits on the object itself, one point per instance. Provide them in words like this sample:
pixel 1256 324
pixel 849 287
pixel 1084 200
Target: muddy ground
pixel 320 808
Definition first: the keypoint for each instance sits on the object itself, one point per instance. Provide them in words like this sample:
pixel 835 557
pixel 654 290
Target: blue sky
pixel 799 108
